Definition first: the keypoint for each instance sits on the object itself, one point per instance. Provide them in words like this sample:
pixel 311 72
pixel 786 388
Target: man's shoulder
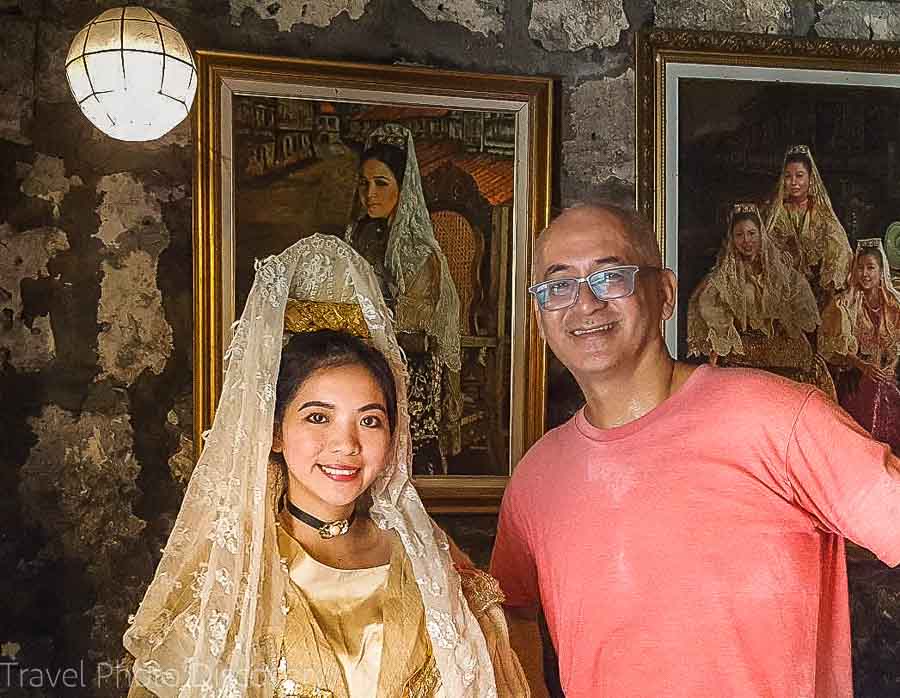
pixel 743 387
pixel 547 449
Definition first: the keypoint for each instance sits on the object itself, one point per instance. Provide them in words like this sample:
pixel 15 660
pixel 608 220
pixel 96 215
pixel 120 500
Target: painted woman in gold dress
pixel 393 232
pixel 802 223
pixel 860 338
pixel 753 309
pixel 303 563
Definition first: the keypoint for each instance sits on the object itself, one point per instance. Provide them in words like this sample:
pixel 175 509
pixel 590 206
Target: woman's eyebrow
pixel 316 403
pixel 372 406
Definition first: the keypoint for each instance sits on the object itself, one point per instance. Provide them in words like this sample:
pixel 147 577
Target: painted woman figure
pixel 860 337
pixel 394 234
pixel 803 224
pixel 303 563
pixel 753 309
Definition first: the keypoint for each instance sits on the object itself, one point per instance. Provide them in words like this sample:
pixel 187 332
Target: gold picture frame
pixel 716 110
pixel 260 120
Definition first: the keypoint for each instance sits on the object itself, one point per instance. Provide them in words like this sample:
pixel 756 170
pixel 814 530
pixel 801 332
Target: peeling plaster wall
pixel 95 273
pixel 135 335
pixel 602 147
pixel 859 20
pixel 576 24
pixel 482 16
pixel 287 14
pixel 26 341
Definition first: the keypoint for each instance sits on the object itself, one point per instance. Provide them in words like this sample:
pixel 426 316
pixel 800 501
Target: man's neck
pixel 627 393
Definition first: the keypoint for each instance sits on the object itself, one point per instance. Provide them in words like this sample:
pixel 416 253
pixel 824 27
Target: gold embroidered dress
pixel 851 327
pixel 814 239
pixel 361 631
pixel 756 313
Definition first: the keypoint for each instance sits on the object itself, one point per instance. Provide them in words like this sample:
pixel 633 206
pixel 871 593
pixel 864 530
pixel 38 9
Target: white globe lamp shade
pixel 132 74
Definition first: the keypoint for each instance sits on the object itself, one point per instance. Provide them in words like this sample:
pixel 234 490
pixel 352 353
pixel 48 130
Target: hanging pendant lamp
pixel 131 73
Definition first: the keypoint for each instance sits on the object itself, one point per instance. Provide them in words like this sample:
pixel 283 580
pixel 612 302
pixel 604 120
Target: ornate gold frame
pixel 220 73
pixel 659 51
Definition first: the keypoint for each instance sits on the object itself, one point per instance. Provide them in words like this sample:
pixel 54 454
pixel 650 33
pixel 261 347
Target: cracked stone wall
pixel 95 273
pixel 760 16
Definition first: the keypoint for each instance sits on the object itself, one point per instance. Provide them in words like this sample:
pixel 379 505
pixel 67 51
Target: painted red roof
pixel 432 154
pixel 492 174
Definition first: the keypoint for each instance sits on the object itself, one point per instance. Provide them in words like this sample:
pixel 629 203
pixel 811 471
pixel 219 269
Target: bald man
pixel 683 532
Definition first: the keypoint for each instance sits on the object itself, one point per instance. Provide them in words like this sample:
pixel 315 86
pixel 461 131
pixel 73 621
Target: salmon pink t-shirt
pixel 698 551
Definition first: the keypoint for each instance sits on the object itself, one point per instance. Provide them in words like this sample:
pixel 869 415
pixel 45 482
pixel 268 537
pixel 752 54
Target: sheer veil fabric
pixel 782 294
pixel 216 601
pixel 821 238
pixel 839 336
pixel 411 241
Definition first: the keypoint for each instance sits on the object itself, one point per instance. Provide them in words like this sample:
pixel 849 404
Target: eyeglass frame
pixel 633 268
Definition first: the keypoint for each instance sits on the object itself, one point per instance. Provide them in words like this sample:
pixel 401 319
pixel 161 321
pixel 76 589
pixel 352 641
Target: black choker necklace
pixel 326 529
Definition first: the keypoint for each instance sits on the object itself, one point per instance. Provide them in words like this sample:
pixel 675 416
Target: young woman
pixel 804 226
pixel 303 562
pixel 860 337
pixel 753 309
pixel 393 232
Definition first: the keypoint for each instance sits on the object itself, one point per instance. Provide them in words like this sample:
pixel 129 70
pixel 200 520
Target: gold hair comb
pixel 309 316
pixel 798 150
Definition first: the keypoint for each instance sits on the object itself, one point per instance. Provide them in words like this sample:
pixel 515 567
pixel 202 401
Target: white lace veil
pixel 411 241
pixel 213 611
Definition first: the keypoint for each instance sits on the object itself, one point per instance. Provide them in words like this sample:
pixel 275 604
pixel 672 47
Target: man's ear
pixel 668 289
pixel 539 318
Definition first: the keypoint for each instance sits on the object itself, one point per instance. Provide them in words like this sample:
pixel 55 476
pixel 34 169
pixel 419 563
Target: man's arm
pixel 849 482
pixel 525 638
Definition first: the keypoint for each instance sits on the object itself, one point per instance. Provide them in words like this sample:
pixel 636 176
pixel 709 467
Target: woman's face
pixel 746 239
pixel 334 437
pixel 796 182
pixel 378 189
pixel 868 271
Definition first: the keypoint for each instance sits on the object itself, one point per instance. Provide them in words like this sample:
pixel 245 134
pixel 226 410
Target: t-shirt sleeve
pixel 512 561
pixel 846 480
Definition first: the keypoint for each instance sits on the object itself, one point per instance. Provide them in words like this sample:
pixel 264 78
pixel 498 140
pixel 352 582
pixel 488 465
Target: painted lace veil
pixel 870 246
pixel 216 600
pixel 822 238
pixel 411 241
pixel 853 296
pixel 784 294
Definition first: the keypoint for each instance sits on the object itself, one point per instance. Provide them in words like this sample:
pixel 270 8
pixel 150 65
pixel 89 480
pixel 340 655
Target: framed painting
pixel 286 148
pixel 770 167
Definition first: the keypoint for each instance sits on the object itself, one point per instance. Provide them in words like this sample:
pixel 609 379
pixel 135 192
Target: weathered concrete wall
pixel 95 269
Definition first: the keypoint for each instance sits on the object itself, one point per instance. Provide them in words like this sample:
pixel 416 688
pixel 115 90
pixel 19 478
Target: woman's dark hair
pixel 745 216
pixel 390 155
pixel 307 352
pixel 873 253
pixel 801 158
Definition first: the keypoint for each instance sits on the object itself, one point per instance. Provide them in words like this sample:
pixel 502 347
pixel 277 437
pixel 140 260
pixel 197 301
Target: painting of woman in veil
pixel 296 140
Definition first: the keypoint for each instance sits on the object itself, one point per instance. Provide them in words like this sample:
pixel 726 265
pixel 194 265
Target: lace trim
pixel 480 589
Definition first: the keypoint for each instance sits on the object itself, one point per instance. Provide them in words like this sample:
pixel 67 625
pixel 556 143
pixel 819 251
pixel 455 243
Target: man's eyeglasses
pixel 606 285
